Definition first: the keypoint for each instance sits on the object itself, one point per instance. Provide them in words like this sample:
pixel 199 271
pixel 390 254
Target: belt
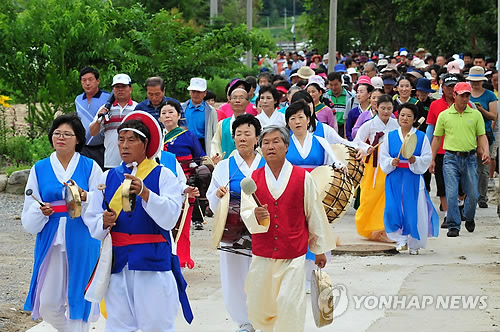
pixel 125 239
pixel 403 165
pixel 59 206
pixel 461 153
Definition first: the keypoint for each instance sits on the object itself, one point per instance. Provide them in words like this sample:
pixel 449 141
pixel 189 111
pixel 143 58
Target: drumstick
pixel 101 187
pixel 232 176
pixel 29 192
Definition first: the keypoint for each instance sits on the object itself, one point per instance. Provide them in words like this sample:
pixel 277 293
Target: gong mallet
pixel 101 187
pixel 29 192
pixel 249 187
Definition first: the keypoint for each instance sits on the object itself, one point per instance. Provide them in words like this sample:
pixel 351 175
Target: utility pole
pixel 293 27
pixel 285 18
pixel 249 27
pixel 332 37
pixel 213 10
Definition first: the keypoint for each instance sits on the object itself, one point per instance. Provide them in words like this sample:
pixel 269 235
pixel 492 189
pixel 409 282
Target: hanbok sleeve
pixel 216 145
pixel 321 237
pixel 248 206
pixel 32 217
pixel 92 216
pixel 385 159
pixel 423 161
pixel 361 136
pixel 165 208
pixel 218 179
pixel 95 176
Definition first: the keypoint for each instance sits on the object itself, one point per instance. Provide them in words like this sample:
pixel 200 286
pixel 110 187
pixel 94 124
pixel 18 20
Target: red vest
pixel 287 236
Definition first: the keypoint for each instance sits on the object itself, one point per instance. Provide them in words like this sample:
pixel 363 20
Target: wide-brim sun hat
pixel 476 73
pixel 305 72
pixel 155 143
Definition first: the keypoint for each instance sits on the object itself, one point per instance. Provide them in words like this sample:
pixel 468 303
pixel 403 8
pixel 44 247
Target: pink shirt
pixel 225 111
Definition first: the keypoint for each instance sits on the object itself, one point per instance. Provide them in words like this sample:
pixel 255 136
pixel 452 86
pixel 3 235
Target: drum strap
pixel 143 171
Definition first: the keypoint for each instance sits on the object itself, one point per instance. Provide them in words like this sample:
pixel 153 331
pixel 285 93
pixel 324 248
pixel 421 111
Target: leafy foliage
pixel 443 27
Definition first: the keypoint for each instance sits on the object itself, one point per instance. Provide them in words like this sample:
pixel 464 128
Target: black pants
pixel 199 204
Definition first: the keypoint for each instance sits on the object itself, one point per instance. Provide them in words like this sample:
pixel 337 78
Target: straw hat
pixel 476 73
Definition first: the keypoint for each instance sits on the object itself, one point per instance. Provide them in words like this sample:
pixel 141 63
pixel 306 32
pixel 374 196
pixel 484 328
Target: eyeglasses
pixel 65 135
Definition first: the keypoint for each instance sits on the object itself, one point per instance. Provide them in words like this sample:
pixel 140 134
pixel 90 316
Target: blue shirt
pixel 146 106
pixel 86 112
pixel 195 118
pixel 485 99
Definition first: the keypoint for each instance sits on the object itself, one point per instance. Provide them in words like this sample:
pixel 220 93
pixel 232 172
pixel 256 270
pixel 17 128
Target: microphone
pixel 108 104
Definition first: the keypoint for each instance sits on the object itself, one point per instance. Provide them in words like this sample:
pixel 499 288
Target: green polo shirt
pixel 461 130
pixel 339 105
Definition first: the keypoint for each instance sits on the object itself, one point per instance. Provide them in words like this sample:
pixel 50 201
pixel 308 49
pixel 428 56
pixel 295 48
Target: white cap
pixel 318 80
pixel 377 82
pixel 382 62
pixel 301 53
pixel 418 63
pixel 121 79
pixel 325 57
pixel 198 84
pixel 351 71
pixel 404 53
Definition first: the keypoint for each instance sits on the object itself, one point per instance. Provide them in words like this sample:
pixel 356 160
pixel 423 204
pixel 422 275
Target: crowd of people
pixel 272 132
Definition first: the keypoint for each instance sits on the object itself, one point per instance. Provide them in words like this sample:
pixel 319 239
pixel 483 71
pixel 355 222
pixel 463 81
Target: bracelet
pixel 142 188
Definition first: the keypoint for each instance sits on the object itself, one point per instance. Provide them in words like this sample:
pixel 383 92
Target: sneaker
pixel 198 225
pixel 483 205
pixel 402 247
pixel 453 232
pixel 413 251
pixel 470 226
pixel 491 183
pixel 444 224
pixel 246 328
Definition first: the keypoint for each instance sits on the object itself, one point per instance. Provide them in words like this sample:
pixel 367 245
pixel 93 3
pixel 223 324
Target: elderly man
pixel 146 283
pixel 155 90
pixel 370 69
pixel 291 218
pixel 87 104
pixel 223 142
pixel 465 132
pixel 108 120
pixel 197 115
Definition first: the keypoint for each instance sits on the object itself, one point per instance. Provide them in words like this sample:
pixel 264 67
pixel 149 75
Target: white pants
pixel 145 300
pixel 53 293
pixel 276 294
pixel 422 224
pixel 233 275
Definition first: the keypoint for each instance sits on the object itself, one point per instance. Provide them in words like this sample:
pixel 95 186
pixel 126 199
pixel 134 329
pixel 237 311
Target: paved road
pixel 451 267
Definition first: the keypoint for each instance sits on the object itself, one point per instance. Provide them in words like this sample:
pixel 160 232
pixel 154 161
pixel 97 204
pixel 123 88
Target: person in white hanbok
pixel 290 219
pixel 65 253
pixel 226 180
pixel 370 214
pixel 269 100
pixel 409 216
pixel 146 283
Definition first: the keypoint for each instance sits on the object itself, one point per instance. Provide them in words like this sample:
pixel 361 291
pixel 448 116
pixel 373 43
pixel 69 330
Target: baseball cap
pixel 419 50
pixel 450 80
pixel 403 53
pixel 462 88
pixel 121 79
pixel 382 62
pixel 377 82
pixel 418 63
pixel 389 81
pixel 197 84
pixel 340 68
pixel 351 71
pixel 453 67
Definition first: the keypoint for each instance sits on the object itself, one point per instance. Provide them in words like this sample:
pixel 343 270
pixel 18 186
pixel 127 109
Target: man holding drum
pixel 226 181
pixel 284 216
pixel 146 283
